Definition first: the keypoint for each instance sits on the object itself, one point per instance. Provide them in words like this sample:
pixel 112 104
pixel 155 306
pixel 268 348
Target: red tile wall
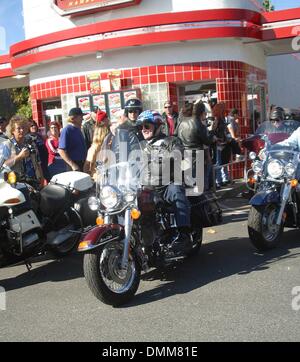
pixel 231 78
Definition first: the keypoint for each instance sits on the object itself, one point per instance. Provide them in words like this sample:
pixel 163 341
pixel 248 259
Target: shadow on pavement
pixel 58 270
pixel 215 261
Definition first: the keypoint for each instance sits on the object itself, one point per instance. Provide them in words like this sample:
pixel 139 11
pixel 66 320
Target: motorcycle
pixel 276 202
pixel 33 222
pixel 265 133
pixel 134 229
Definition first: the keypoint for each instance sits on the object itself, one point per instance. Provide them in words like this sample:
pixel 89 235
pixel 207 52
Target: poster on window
pixel 84 103
pixel 99 101
pixel 129 94
pixel 114 100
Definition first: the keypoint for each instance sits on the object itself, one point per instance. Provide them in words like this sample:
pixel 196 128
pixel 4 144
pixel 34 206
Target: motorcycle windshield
pixel 119 167
pixel 277 131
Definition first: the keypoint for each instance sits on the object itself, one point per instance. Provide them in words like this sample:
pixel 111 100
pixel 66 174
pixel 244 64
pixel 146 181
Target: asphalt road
pixel 229 292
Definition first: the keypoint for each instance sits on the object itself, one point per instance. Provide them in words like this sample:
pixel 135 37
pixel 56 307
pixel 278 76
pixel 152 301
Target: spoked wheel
pixel 263 231
pixel 105 277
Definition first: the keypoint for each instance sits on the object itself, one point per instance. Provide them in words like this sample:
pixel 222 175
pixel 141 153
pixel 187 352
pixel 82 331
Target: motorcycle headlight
pixel 257 166
pixel 252 156
pixel 110 197
pixel 275 169
pixel 93 203
pixel 290 169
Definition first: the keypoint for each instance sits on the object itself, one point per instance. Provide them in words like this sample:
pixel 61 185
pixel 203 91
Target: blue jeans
pixel 175 195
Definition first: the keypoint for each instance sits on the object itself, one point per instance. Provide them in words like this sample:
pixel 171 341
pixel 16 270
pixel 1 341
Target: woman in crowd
pixel 20 155
pixel 55 163
pixel 221 155
pixel 102 129
pixel 34 136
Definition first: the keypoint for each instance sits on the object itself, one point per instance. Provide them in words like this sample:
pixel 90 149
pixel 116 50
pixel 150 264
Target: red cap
pixel 100 116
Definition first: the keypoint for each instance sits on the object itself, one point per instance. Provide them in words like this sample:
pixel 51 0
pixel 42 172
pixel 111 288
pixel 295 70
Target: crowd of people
pixel 75 147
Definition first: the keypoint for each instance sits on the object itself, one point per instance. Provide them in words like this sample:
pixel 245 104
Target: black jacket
pixel 88 132
pixel 164 160
pixel 193 134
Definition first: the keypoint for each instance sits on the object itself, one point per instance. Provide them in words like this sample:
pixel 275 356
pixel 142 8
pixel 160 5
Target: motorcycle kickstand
pixel 28 266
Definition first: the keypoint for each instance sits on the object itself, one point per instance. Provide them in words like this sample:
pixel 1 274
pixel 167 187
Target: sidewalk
pixel 232 190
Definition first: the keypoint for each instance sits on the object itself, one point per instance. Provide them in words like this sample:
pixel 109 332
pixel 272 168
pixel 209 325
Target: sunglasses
pixel 168 107
pixel 275 120
pixel 132 111
pixel 146 126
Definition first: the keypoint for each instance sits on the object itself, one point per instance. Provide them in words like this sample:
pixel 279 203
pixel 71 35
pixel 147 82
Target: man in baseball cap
pixel 72 147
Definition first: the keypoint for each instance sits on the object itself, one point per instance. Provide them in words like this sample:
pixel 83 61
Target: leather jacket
pixel 193 134
pixel 165 154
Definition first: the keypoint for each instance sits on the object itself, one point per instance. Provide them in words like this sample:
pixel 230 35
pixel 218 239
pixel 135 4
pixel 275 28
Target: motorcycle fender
pixel 264 198
pixel 101 235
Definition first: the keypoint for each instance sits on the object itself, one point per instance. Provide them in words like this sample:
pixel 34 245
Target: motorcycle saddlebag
pixel 205 210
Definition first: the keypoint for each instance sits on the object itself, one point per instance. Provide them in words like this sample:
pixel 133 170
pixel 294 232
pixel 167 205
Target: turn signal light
pixel 251 180
pixel 84 245
pixel 11 178
pixel 135 214
pixel 12 201
pixel 294 182
pixel 99 220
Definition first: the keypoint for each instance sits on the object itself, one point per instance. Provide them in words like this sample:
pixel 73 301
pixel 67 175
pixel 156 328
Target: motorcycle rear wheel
pixel 104 276
pixel 263 231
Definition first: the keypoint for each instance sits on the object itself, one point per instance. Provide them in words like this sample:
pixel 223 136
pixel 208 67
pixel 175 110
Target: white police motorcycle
pixel 32 222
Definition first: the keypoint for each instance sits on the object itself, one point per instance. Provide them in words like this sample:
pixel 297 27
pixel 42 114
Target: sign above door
pixel 83 7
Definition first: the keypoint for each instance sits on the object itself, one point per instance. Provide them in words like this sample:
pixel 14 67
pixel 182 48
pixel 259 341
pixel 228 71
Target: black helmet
pixel 133 104
pixel 277 114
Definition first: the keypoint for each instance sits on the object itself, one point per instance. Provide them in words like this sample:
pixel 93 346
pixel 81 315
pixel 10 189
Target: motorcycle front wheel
pixel 107 280
pixel 263 231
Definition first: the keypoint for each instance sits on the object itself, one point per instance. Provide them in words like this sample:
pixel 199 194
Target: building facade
pixel 91 53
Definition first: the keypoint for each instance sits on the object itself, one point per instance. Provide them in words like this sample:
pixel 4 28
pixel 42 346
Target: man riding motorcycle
pixel 159 147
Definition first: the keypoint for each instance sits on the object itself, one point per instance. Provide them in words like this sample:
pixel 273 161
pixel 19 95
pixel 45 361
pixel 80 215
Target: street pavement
pixel 228 292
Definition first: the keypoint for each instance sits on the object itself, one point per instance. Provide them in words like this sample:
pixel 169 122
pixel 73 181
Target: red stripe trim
pixel 4 59
pixel 136 40
pixel 4 73
pixel 281 15
pixel 137 22
pixel 279 33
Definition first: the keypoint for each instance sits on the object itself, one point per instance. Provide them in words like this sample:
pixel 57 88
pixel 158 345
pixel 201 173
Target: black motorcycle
pixel 276 202
pixel 134 232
